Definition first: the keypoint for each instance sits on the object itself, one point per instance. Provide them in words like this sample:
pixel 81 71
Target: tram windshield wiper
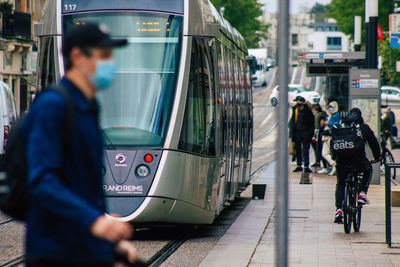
pixel 107 141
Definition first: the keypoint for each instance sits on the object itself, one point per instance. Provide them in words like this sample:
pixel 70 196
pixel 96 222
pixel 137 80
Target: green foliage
pixel 343 11
pixel 244 16
pixel 389 58
pixel 6 8
pixel 319 11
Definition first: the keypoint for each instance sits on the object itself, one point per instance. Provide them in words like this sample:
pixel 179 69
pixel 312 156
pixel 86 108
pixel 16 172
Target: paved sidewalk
pixel 314 240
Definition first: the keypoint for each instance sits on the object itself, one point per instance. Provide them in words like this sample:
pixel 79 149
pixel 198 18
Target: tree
pixel 244 16
pixel 389 58
pixel 319 11
pixel 343 11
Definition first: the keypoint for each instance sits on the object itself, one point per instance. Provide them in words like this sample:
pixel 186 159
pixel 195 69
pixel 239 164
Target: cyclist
pixel 361 163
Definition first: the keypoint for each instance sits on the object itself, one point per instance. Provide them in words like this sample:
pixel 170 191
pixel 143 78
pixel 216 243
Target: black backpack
pixel 14 193
pixel 347 140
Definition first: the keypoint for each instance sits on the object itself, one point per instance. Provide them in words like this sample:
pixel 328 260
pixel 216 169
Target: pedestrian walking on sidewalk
pixel 302 130
pixel 327 124
pixel 316 144
pixel 393 122
pixel 386 125
pixel 360 162
pixel 66 223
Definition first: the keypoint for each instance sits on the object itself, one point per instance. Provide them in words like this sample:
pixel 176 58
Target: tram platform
pixel 314 240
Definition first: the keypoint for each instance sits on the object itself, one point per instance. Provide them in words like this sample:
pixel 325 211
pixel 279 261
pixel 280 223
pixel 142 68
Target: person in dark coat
pixel 302 131
pixel 360 162
pixel 319 115
pixel 386 126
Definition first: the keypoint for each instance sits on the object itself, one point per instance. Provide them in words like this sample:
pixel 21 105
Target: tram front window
pixel 135 111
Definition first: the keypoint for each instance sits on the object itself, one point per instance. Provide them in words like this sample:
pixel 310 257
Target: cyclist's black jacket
pixel 368 136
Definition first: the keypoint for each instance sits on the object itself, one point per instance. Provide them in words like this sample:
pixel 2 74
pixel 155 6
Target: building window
pixel 295 40
pixel 334 43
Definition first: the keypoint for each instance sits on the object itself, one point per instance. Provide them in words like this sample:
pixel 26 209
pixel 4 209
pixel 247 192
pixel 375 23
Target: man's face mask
pixel 104 75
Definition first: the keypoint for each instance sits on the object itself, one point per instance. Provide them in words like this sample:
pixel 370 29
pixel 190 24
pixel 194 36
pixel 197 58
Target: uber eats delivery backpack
pixel 14 193
pixel 347 140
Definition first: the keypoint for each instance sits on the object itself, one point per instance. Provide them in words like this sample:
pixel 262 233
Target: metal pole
pixel 388 217
pixel 357 33
pixel 373 36
pixel 281 227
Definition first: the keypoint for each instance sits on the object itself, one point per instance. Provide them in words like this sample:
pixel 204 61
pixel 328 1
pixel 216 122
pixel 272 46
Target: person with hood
pixel 361 163
pixel 302 130
pixel 332 119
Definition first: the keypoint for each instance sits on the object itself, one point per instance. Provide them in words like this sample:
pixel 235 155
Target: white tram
pixel 178 121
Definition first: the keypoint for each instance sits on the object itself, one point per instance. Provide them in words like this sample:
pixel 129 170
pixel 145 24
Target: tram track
pixel 7 221
pixel 163 254
pixel 156 260
pixel 15 262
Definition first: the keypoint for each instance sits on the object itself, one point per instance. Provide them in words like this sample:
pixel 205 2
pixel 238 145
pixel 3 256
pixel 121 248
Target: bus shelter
pixel 334 66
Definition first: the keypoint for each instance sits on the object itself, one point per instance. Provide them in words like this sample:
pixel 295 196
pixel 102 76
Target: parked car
pixel 390 96
pixel 294 90
pixel 8 115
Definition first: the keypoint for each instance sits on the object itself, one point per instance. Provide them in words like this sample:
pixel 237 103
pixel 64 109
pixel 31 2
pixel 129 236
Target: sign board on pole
pixel 364 93
pixel 394 30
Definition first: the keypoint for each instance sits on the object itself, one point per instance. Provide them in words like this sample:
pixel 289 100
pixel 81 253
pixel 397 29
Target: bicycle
pixel 351 207
pixel 386 156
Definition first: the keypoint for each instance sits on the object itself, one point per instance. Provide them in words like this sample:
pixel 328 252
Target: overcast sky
pixel 296 6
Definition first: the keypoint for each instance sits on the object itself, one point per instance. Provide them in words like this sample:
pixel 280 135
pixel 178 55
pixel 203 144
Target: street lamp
pixel 371 26
pixel 357 33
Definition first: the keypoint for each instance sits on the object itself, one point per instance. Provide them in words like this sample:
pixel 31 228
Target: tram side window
pixel 198 129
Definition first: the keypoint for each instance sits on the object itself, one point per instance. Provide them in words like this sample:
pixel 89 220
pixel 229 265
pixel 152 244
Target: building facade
pixel 327 37
pixel 300 29
pixel 18 49
pixel 305 35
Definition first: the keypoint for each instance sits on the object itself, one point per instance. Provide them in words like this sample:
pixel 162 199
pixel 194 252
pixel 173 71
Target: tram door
pixel 230 129
pixel 244 123
pixel 237 126
pixel 223 118
pixel 249 119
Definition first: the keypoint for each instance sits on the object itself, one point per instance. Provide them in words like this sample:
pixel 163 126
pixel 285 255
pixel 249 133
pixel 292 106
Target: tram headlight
pixel 142 171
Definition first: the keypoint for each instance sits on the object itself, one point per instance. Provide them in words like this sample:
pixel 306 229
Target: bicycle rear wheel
pixel 347 210
pixel 388 158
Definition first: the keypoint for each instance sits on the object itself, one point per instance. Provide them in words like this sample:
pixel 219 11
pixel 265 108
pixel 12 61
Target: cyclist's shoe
pixel 332 172
pixel 298 169
pixel 323 171
pixel 338 216
pixel 362 198
pixel 307 170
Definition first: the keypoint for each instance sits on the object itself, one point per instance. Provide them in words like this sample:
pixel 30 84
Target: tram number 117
pixel 70 7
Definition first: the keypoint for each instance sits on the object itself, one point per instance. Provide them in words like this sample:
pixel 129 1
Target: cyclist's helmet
pixel 355 115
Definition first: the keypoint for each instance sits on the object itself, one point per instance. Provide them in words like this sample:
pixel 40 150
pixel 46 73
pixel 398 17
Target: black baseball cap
pixel 299 98
pixel 88 35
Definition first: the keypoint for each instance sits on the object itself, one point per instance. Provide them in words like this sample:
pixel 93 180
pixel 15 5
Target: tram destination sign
pixel 321 57
pixel 71 6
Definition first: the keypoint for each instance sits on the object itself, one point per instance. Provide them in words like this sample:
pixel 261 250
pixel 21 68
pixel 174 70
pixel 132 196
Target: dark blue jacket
pixel 65 180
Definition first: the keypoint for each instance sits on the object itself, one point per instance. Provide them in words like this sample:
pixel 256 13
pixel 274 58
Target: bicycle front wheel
pixel 347 210
pixel 388 158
